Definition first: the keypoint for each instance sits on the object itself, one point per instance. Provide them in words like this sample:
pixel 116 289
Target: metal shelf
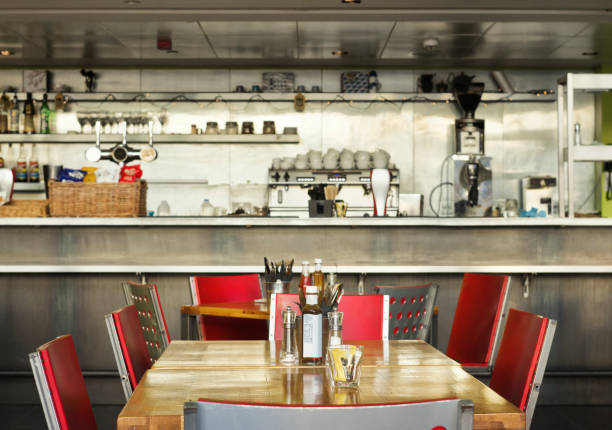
pixel 29 187
pixel 187 97
pixel 589 82
pixel 593 153
pixel 157 139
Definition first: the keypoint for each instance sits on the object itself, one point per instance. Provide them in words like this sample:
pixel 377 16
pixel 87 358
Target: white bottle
pixel 207 209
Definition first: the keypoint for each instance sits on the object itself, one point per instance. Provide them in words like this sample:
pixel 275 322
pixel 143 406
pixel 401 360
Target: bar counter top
pixel 238 221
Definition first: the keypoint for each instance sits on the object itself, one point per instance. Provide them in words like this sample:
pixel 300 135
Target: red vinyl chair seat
pixel 66 384
pixel 477 319
pixel 227 289
pixel 133 345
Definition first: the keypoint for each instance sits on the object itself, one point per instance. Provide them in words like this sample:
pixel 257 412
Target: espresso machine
pixel 288 191
pixel 472 176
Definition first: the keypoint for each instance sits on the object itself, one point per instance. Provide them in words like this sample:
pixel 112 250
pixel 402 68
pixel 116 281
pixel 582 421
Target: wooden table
pixel 250 310
pixel 262 353
pixel 413 371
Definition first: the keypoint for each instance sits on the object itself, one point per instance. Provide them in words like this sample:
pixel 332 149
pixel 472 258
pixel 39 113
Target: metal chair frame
pixel 43 391
pixel 119 359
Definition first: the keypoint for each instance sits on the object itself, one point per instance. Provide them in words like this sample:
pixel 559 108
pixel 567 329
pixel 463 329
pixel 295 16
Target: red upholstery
pixel 518 356
pixel 362 319
pixel 282 301
pixel 133 344
pixel 363 316
pixel 66 384
pixel 223 289
pixel 476 318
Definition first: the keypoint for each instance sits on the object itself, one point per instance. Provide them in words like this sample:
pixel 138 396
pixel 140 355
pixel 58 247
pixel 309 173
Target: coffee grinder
pixel 472 176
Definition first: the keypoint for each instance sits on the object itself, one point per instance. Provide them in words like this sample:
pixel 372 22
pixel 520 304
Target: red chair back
pixel 278 303
pixel 365 317
pixel 477 325
pixel 226 289
pixel 133 344
pixel 66 384
pixel 523 353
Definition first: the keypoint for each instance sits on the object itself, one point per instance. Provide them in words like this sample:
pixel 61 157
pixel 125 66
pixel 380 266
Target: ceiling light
pixel 339 53
pixel 6 53
pixel 132 2
pixel 351 1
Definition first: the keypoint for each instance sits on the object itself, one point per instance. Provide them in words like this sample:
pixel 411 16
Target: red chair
pixel 61 386
pixel 130 347
pixel 365 317
pixel 227 289
pixel 150 314
pixel 477 325
pixel 523 353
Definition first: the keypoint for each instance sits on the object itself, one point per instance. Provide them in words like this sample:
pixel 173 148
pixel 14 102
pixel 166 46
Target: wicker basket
pixel 93 199
pixel 25 209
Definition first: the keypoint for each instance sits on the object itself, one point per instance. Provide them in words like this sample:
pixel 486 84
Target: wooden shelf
pixel 157 139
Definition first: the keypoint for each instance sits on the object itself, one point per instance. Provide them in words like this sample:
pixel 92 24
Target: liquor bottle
pixel 28 115
pixel 312 328
pixel 13 120
pixel 305 278
pixel 318 278
pixel 21 169
pixel 45 116
pixel 33 166
pixel 4 106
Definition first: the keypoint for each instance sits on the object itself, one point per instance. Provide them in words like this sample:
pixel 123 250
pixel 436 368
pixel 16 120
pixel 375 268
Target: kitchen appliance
pixel 606 190
pixel 469 132
pixel 537 192
pixel 288 191
pixel 472 178
pixel 380 179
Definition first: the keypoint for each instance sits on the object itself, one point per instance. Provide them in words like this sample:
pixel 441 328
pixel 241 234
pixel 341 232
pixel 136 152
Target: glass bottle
pixel 289 350
pixel 28 115
pixel 45 116
pixel 305 278
pixel 21 169
pixel 4 106
pixel 13 120
pixel 1 157
pixel 312 328
pixel 33 166
pixel 318 278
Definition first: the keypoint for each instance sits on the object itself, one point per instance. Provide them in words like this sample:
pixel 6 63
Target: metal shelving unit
pixel 187 97
pixel 158 139
pixel 567 152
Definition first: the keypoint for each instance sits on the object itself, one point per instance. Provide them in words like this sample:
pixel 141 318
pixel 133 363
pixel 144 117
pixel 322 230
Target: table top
pixel 246 371
pixel 252 310
pixel 263 353
pixel 158 399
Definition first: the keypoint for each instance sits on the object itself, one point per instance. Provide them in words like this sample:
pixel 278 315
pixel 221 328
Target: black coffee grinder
pixel 469 131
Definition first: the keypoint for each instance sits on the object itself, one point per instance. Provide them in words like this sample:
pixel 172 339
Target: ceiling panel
pixel 552 29
pixel 317 40
pixel 252 39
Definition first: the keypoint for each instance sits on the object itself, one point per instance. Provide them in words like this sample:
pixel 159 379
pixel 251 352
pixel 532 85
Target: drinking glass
pixel 344 364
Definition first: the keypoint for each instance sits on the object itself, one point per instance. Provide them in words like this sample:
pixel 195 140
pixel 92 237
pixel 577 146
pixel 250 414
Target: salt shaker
pixel 289 351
